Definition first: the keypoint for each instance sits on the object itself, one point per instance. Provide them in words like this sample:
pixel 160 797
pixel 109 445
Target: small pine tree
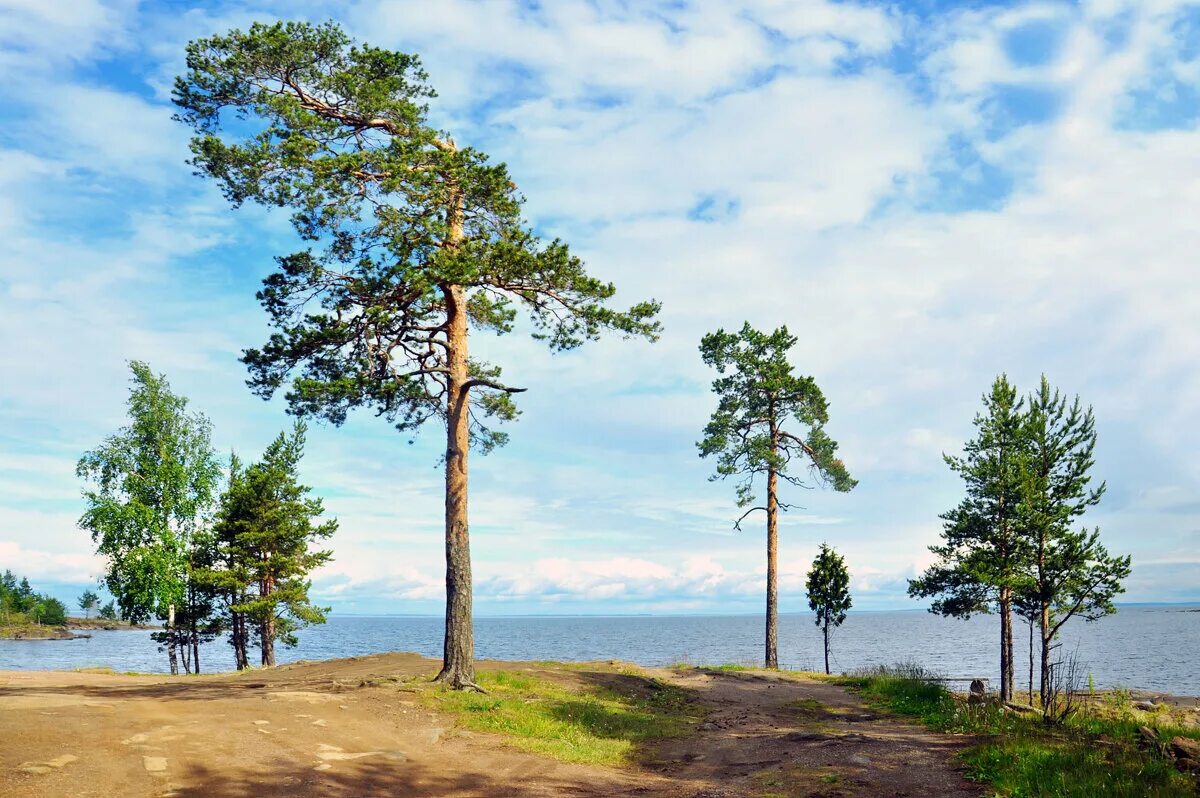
pixel 1071 574
pixel 265 531
pixel 109 612
pixel 828 592
pixel 88 602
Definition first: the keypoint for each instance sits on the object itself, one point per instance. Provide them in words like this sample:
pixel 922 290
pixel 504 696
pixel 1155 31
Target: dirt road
pixel 332 729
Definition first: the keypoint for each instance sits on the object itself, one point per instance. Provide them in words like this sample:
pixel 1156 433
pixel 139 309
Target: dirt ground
pixel 335 729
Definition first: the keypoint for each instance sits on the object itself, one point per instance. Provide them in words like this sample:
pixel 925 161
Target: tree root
pixel 456 682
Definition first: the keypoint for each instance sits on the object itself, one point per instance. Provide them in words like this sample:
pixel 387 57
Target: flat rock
pixel 155 764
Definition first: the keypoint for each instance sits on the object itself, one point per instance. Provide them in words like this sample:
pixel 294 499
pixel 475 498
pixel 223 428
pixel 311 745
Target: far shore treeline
pixel 20 604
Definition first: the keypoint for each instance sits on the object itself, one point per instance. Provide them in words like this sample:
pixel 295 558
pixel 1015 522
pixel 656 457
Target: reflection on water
pixel 1146 647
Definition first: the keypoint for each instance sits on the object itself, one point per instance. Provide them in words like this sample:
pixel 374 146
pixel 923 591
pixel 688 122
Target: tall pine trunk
pixel 458 653
pixel 772 652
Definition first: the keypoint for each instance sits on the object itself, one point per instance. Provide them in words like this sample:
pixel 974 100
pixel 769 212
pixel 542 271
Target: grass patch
pixel 1094 754
pixel 572 722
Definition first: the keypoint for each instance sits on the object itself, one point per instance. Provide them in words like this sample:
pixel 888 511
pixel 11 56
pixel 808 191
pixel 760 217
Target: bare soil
pixel 348 728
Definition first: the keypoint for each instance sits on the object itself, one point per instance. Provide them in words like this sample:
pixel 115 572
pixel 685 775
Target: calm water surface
pixel 1153 648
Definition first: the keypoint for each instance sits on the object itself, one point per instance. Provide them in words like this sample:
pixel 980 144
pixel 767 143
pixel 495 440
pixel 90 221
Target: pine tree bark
pixel 458 657
pixel 772 642
pixel 458 650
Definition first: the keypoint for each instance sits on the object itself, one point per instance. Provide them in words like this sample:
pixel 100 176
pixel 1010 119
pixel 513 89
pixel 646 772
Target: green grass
pixel 572 722
pixel 1094 754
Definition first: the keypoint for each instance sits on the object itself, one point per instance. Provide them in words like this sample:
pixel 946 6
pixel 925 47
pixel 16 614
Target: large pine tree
pixel 411 240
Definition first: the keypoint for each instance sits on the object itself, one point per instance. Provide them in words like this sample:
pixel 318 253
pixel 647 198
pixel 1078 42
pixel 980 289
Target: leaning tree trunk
pixel 458 653
pixel 172 655
pixel 772 652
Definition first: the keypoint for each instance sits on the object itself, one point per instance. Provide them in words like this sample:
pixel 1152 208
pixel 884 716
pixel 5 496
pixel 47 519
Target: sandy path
pixel 323 729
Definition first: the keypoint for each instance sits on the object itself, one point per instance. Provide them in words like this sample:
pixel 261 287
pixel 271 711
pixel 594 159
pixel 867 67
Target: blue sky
pixel 927 194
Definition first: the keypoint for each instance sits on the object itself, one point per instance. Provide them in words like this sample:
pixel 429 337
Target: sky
pixel 927 193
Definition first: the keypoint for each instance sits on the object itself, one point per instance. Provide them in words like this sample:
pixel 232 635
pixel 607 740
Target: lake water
pixel 1147 647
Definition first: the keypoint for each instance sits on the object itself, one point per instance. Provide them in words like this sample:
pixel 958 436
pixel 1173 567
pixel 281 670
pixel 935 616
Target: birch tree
pixel 150 487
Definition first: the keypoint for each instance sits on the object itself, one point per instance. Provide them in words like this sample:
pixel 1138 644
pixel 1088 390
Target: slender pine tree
pixel 768 422
pixel 1070 573
pixel 981 559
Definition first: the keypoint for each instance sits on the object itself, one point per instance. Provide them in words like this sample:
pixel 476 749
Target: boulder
pixel 978 687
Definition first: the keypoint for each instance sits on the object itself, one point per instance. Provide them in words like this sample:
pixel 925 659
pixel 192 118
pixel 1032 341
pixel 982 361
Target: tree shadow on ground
pixel 359 779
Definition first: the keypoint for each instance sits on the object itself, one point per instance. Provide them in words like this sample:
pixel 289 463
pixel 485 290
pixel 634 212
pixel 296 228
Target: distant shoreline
pixel 67 631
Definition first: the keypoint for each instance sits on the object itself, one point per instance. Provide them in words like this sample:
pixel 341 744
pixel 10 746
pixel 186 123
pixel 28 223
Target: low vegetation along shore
pixel 378 724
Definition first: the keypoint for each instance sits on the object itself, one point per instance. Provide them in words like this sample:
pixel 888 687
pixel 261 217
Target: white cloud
pixel 617 120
